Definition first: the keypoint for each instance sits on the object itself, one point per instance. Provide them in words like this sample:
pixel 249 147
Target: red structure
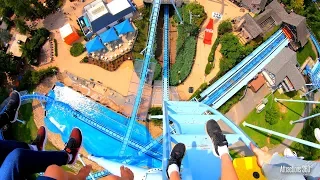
pixel 208 33
pixel 287 32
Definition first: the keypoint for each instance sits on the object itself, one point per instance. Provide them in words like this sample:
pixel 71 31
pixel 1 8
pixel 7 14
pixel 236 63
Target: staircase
pixel 189 119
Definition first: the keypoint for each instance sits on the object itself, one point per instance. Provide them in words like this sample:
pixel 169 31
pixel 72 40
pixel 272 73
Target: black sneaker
pixel 13 106
pixel 41 139
pixel 218 139
pixel 74 144
pixel 176 155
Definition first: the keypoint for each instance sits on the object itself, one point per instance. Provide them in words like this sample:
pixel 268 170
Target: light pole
pixel 190 13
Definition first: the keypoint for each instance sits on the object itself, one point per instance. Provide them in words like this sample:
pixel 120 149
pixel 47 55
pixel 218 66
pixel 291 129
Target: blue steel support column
pixel 165 95
pixel 311 144
pixel 297 101
pixel 305 118
pixel 144 73
pixel 176 9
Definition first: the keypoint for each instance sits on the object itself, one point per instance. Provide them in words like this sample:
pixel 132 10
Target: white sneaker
pixel 317 134
pixel 291 154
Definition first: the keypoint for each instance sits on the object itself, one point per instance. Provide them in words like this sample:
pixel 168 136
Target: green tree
pixel 297 5
pixel 77 49
pixel 7 63
pixel 5 36
pixel 21 25
pixel 224 27
pixel 272 115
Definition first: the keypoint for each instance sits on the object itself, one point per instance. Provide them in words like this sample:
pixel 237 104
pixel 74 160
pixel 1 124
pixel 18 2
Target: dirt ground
pixel 173 43
pixel 197 75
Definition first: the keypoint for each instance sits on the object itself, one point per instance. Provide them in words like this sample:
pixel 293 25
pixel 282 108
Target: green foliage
pixel 197 93
pixel 5 37
pixel 232 101
pixel 225 27
pixel 196 10
pixel 213 50
pixel 33 78
pixel 272 115
pixel 7 63
pixel 4 93
pixel 157 71
pixel 31 49
pixel 84 60
pixel 8 22
pixel 77 49
pixel 184 61
pixel 271 32
pixel 155 111
pixel 308 152
pixel 142 25
pixel 305 52
pixel 289 111
pixel 80 33
pixel 21 26
pixel 55 47
pixel 209 67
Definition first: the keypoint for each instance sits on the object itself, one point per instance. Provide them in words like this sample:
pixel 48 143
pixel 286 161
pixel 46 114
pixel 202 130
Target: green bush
pixel 85 60
pixel 213 50
pixel 232 101
pixel 197 93
pixel 80 33
pixel 31 49
pixel 55 47
pixel 209 67
pixel 184 61
pixel 33 78
pixel 77 49
pixel 21 26
pixel 272 115
pixel 225 27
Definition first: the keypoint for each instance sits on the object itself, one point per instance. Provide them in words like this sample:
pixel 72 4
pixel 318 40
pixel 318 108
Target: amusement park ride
pixel 189 117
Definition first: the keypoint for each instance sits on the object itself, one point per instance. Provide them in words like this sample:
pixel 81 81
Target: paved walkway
pixel 242 109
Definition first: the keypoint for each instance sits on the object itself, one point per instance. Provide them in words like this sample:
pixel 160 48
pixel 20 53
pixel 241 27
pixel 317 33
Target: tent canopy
pixel 124 27
pixel 108 36
pixel 94 45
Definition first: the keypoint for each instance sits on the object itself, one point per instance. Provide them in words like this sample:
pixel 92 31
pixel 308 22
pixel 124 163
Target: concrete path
pixel 242 109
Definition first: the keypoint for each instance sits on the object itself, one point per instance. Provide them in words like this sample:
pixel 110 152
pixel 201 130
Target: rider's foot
pixel 84 172
pixel 13 106
pixel 219 141
pixel 126 173
pixel 73 145
pixel 176 157
pixel 41 139
pixel 262 156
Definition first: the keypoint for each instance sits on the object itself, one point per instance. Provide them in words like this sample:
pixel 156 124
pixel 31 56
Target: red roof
pixel 257 83
pixel 71 38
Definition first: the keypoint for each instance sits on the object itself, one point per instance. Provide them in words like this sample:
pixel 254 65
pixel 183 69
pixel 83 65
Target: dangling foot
pixel 73 145
pixel 41 139
pixel 219 141
pixel 13 106
pixel 126 173
pixel 262 157
pixel 176 157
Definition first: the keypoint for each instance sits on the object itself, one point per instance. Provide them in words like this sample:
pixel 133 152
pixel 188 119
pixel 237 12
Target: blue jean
pixel 18 161
pixel 282 168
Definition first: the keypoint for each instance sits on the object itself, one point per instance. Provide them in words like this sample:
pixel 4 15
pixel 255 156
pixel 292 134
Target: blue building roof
pixel 109 35
pixel 109 18
pixel 124 27
pixel 94 45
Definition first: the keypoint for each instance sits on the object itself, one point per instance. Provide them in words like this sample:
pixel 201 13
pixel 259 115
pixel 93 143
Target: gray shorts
pixel 282 168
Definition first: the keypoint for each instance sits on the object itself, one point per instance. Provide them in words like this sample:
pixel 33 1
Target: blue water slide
pixel 240 65
pixel 144 72
pixel 315 42
pixel 241 76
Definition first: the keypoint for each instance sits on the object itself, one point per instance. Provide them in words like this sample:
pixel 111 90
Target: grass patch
pixel 288 111
pixel 305 52
pixel 234 154
pixel 232 101
pixel 271 32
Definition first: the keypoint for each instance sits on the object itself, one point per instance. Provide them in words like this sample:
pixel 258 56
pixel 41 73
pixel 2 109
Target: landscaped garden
pixel 275 116
pixel 305 52
pixel 77 49
pixel 186 42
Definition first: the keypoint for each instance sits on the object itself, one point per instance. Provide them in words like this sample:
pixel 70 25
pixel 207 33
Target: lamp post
pixel 190 13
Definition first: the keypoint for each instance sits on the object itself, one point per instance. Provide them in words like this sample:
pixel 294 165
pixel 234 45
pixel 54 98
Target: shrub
pixel 85 60
pixel 305 52
pixel 33 78
pixel 272 115
pixel 21 26
pixel 55 47
pixel 80 33
pixel 77 49
pixel 155 111
pixel 213 50
pixel 209 67
pixel 197 93
pixel 232 101
pixel 225 27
